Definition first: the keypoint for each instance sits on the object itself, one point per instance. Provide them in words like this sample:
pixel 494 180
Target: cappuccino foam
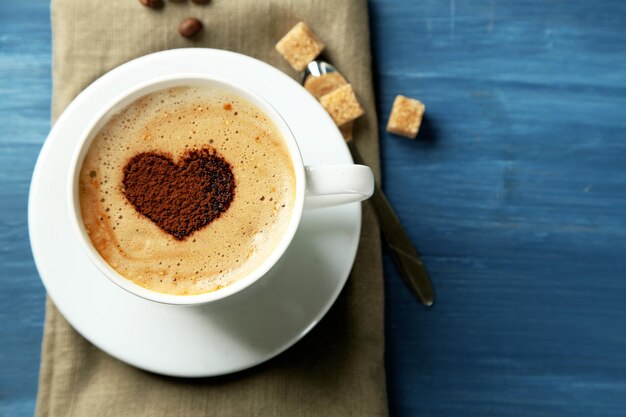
pixel 172 127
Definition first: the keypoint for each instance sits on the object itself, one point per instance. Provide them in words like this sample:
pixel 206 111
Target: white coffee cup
pixel 316 186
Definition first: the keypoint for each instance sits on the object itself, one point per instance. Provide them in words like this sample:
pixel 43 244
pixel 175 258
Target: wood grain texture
pixel 25 86
pixel 514 191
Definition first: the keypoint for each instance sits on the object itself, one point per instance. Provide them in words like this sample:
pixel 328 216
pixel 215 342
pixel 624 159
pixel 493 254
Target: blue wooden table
pixel 515 193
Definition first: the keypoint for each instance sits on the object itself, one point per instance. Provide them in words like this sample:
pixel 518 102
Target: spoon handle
pixel 404 253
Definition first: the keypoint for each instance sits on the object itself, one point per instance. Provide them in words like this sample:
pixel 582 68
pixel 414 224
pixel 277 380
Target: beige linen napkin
pixel 338 369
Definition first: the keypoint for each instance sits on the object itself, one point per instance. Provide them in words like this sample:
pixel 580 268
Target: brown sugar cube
pixel 324 84
pixel 406 117
pixel 346 130
pixel 342 105
pixel 300 46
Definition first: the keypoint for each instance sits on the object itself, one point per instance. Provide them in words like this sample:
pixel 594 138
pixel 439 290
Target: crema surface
pixel 173 123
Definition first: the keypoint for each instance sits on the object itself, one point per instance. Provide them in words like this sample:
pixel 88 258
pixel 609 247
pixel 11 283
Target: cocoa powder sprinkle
pixel 180 198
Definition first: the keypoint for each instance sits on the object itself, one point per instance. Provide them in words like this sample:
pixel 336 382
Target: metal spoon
pixel 404 253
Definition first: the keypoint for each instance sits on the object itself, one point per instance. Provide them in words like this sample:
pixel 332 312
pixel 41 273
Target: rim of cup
pixel 122 101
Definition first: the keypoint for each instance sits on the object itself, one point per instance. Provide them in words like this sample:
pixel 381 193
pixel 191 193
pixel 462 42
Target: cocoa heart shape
pixel 182 197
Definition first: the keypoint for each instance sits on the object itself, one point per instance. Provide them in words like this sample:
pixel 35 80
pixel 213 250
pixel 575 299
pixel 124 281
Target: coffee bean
pixel 201 1
pixel 153 4
pixel 190 27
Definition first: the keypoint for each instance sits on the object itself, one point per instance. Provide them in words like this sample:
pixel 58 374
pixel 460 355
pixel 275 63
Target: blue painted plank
pixel 516 194
pixel 25 86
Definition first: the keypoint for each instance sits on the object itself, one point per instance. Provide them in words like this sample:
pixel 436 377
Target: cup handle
pixel 331 185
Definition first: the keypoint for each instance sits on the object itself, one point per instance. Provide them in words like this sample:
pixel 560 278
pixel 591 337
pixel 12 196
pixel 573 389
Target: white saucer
pixel 220 338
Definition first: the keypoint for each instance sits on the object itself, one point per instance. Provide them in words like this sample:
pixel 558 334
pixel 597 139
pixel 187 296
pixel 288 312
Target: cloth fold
pixel 336 370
